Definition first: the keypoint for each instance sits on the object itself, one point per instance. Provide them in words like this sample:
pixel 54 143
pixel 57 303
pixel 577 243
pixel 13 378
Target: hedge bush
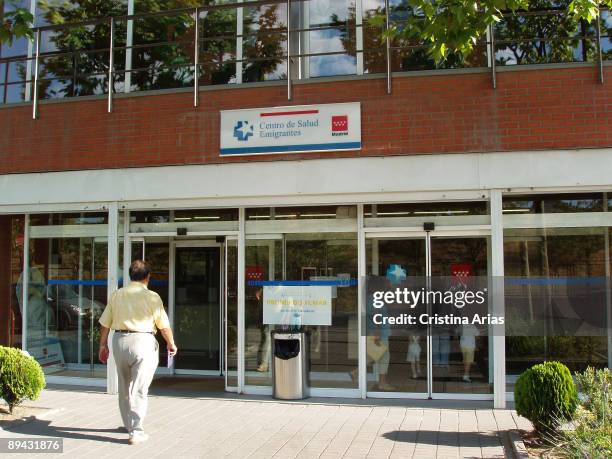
pixel 546 395
pixel 21 377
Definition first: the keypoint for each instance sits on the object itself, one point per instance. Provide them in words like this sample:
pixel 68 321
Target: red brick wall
pixel 530 110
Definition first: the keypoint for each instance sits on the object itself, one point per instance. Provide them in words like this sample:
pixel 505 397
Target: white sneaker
pixel 466 378
pixel 138 437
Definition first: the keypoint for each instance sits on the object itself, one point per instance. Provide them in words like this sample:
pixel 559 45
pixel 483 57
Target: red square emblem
pixel 339 123
pixel 254 273
pixel 462 270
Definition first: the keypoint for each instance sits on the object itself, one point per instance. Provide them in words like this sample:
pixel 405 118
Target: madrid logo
pixel 243 130
pixel 339 125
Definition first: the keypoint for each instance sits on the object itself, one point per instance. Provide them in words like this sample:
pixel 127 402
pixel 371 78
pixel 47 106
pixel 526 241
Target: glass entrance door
pixel 460 358
pixel 198 309
pixel 449 359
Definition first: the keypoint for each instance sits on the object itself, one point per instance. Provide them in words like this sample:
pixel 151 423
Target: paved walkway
pixel 260 428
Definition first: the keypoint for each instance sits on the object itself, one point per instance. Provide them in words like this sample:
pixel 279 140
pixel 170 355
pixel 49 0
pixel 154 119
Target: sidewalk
pixel 262 428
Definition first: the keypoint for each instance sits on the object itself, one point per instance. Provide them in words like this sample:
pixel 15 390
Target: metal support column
pixel 289 88
pixel 498 309
pixel 599 55
pixel 492 56
pixel 196 60
pixel 112 284
pixel 111 65
pixel 388 44
pixel 25 282
pixel 241 298
pixel 36 63
pixel 361 302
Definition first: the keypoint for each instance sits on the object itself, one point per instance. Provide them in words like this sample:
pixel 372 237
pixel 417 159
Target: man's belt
pixel 134 331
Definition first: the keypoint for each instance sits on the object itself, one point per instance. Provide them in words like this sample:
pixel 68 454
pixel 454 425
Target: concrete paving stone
pixel 242 427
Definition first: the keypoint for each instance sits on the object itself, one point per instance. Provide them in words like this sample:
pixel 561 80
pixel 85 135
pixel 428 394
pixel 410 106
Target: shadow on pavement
pixel 433 437
pixel 43 428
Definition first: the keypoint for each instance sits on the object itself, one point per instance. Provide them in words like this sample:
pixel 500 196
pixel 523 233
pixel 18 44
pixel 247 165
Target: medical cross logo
pixel 339 125
pixel 243 130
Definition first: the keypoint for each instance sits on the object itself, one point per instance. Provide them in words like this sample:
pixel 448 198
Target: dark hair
pixel 139 270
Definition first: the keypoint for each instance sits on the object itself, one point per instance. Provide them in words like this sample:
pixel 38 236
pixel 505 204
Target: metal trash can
pixel 290 365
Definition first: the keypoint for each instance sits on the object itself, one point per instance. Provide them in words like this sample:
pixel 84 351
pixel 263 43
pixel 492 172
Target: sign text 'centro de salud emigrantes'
pixel 298 128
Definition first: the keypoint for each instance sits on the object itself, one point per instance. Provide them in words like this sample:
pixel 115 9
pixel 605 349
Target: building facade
pixel 497 165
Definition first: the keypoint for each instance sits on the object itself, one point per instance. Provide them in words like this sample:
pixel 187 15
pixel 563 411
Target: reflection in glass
pixel 548 37
pixel 198 308
pixel 11 250
pixel 334 32
pixel 265 43
pixel 554 254
pixel 332 257
pixel 263 262
pixel 460 354
pixel 73 60
pixel 413 54
pixel 396 362
pixel 67 294
pixel 554 203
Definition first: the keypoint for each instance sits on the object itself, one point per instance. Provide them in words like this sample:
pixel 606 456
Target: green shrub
pixel 546 395
pixel 584 437
pixel 595 387
pixel 21 377
pixel 590 433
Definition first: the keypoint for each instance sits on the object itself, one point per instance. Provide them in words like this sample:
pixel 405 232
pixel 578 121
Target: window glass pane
pixel 546 37
pixel 263 262
pixel 556 261
pixel 333 257
pixel 308 259
pixel 416 214
pixel 163 52
pixel 11 257
pixel 67 293
pixel 19 47
pixel 218 46
pixel 334 24
pixel 300 213
pixel 265 43
pixel 89 218
pixel 407 54
pixel 402 367
pixel 430 209
pixel 556 203
pixel 606 34
pixel 74 60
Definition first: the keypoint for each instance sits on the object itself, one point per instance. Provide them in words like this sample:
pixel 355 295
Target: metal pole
pixel 289 89
pixel 25 282
pixel 492 51
pixel 35 97
pixel 111 64
pixel 599 56
pixel 389 82
pixel 196 60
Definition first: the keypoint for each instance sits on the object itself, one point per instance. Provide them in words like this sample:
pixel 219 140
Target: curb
pixel 517 445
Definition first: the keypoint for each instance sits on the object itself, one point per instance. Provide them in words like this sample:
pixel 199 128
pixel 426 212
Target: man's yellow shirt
pixel 135 308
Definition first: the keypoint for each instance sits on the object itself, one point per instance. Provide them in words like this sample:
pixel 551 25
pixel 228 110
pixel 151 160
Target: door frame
pixel 426 236
pixel 197 243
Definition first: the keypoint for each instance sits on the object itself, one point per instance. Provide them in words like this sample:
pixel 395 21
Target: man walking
pixel 135 313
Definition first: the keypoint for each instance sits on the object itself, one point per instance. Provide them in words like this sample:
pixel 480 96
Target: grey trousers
pixel 136 356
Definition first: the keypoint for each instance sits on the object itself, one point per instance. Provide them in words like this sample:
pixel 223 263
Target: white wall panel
pixel 398 178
